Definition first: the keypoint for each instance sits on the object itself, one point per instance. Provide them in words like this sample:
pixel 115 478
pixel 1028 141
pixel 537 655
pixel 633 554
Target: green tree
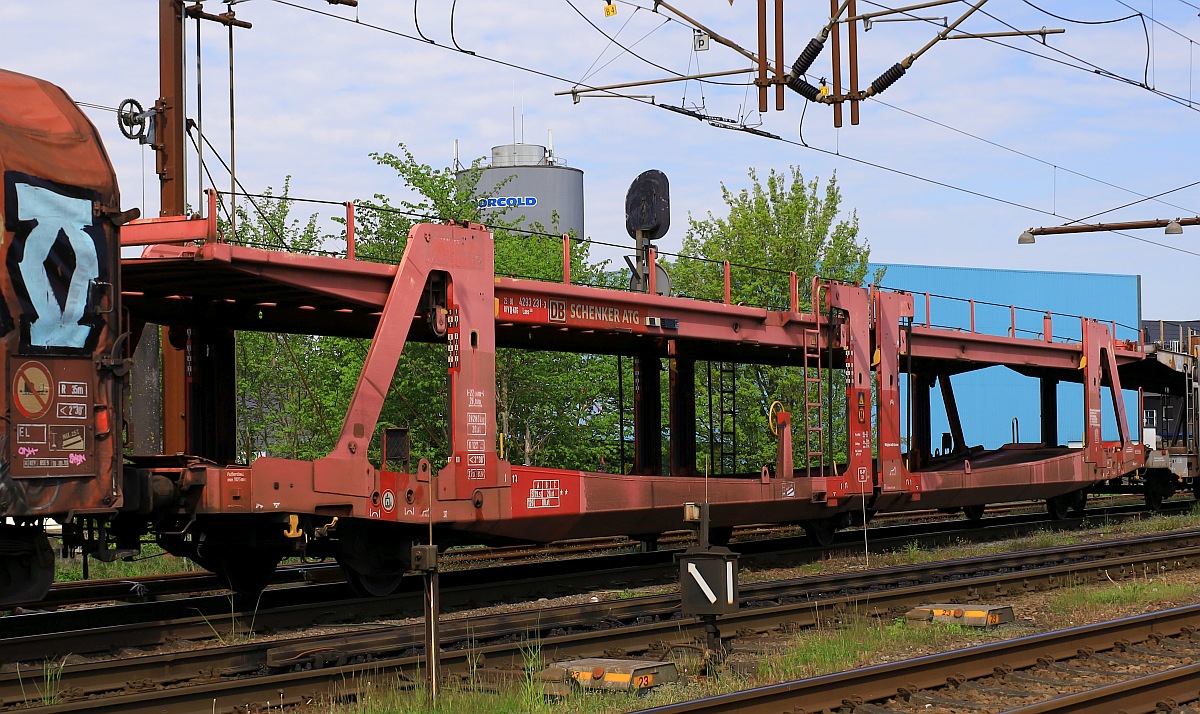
pixel 549 405
pixel 283 408
pixel 784 225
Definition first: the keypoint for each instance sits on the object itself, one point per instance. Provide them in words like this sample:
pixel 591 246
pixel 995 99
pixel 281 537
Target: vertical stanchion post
pixel 852 50
pixel 566 240
pixel 762 57
pixel 653 271
pixel 424 560
pixel 349 230
pixel 780 69
pixel 836 50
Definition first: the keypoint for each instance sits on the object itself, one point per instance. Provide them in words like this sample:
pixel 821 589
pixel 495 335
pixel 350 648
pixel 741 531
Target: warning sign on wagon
pixel 33 390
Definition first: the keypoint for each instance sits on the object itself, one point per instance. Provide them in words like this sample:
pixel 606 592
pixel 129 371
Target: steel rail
pixel 154 587
pixel 141 588
pixel 516 630
pixel 42 635
pixel 1140 694
pixel 885 681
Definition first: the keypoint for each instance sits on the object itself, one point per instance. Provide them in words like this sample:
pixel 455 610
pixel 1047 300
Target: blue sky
pixel 315 95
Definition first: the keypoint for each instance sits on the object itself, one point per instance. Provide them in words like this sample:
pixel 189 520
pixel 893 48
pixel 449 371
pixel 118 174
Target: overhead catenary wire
pixel 629 51
pixel 816 44
pixel 1057 167
pixel 453 39
pixel 1159 23
pixel 1083 22
pixel 1140 16
pixel 417 22
pixel 204 168
pixel 828 152
pixel 588 72
pixel 238 183
pixel 1134 203
pixel 1089 67
pixel 961 189
pixel 1098 70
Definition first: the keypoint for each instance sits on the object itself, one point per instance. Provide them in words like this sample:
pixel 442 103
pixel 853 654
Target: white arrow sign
pixel 729 581
pixel 695 573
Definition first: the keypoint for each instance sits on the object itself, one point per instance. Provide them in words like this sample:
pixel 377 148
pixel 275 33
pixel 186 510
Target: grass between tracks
pixel 1091 602
pixel 832 647
pixel 152 561
pixel 805 654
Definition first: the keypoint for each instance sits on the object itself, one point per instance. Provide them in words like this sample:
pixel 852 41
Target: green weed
pixel 51 682
pixel 837 649
pixel 152 561
pixel 1084 601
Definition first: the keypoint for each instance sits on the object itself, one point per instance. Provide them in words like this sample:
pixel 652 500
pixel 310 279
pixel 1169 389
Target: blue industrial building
pixel 997 404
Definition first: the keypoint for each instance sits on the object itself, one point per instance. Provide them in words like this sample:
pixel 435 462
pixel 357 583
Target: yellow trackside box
pixel 966 615
pixel 599 673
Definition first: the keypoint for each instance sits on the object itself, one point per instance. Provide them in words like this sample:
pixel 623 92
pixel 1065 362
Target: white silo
pixel 529 181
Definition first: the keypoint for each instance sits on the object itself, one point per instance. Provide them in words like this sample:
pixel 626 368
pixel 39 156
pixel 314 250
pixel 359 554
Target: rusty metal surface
pixel 59 324
pixel 480 493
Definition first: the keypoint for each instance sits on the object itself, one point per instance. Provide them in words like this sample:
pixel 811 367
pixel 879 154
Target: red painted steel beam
pixel 526 304
pixel 956 346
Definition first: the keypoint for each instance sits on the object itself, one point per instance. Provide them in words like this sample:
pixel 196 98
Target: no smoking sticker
pixel 33 390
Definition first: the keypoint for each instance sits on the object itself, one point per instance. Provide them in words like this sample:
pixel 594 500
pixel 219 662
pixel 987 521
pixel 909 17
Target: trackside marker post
pixel 708 583
pixel 424 560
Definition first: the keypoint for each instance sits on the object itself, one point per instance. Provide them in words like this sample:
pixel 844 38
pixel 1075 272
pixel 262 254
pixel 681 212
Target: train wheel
pixel 1160 485
pixel 378 585
pixel 247 571
pixel 820 533
pixel 974 513
pixel 26 564
pixel 1079 503
pixel 1059 507
pixel 373 555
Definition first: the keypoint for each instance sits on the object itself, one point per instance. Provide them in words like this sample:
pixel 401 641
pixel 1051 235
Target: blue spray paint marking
pixel 56 326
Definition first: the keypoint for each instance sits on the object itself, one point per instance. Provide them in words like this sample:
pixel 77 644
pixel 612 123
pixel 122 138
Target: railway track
pixel 37 635
pixel 1141 664
pixel 156 587
pixel 293 671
